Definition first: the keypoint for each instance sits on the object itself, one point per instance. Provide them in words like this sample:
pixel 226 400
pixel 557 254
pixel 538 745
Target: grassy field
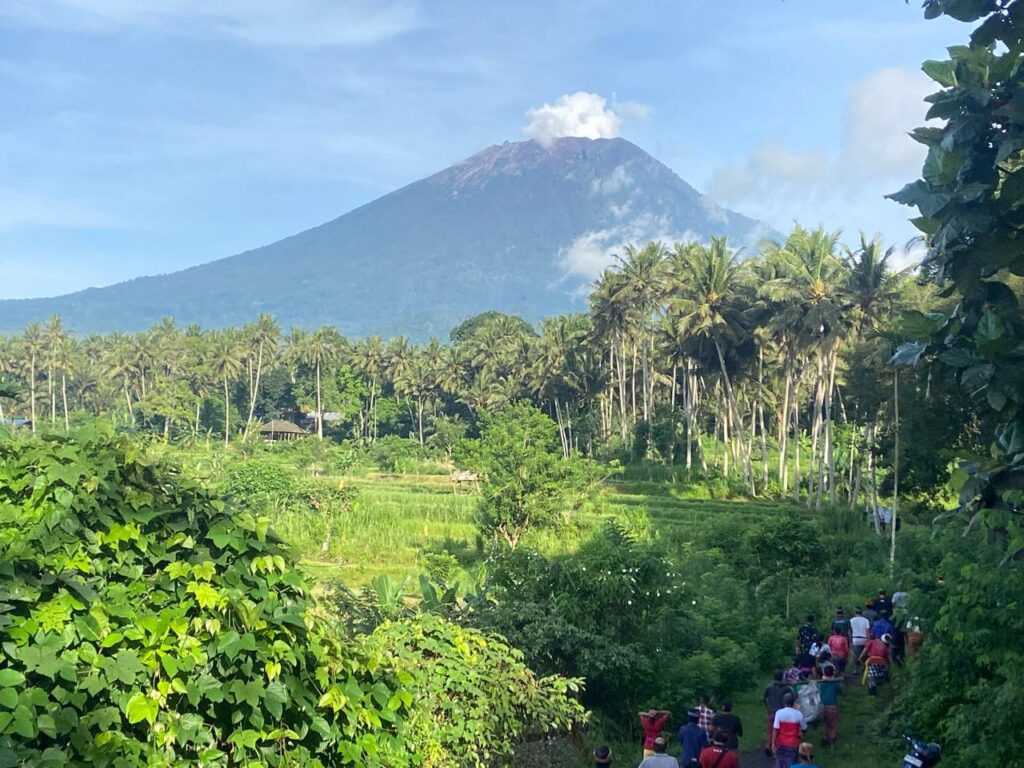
pixel 396 517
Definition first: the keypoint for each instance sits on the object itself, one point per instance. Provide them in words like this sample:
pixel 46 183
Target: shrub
pixel 475 698
pixel 144 624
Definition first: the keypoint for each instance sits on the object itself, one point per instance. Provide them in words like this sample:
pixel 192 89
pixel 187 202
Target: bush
pixel 144 624
pixel 475 698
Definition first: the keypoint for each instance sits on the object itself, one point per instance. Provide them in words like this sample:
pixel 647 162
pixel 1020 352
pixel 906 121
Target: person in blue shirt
pixel 692 739
pixel 882 626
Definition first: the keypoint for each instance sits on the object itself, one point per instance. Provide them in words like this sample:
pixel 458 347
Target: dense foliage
pixel 473 697
pixel 144 623
pixel 971 200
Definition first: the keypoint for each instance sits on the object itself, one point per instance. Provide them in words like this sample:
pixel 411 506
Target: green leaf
pixel 141 708
pixel 8 698
pixel 942 72
pixel 11 678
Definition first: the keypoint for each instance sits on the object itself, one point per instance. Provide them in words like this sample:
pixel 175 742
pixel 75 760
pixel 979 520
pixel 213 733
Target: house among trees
pixel 279 429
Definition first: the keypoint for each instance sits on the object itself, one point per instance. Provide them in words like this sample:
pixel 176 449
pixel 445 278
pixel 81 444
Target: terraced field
pixel 398 516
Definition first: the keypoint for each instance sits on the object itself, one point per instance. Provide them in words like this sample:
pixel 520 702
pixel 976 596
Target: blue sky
pixel 144 136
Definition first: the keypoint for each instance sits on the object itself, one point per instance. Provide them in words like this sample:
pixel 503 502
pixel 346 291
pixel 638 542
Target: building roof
pixel 281 427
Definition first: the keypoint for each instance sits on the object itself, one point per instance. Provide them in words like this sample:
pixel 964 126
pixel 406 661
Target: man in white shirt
pixel 859 629
pixel 659 759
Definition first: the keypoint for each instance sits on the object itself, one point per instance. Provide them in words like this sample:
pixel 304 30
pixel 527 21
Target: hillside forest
pixel 498 548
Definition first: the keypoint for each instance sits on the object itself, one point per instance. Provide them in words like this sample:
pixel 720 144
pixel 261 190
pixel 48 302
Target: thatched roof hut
pixel 279 429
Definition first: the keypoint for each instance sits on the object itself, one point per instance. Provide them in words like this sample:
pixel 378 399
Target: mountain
pixel 521 227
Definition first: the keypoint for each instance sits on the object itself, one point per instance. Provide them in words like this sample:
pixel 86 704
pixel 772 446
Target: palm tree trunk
pixel 895 469
pixel 53 395
pixel 227 412
pixel 748 475
pixel 128 398
pixel 254 390
pixel 319 406
pixel 873 467
pixel 32 389
pixel 796 451
pixel 787 390
pixel 64 398
pixel 419 413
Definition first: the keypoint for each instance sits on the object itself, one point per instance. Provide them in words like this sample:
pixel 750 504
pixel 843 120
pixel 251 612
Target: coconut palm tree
pixel 32 345
pixel 262 345
pixel 322 348
pixel 708 305
pixel 226 364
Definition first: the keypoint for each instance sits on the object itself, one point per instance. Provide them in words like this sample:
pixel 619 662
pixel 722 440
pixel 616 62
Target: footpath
pixel 860 742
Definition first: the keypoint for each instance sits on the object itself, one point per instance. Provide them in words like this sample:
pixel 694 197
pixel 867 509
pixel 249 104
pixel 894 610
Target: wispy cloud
pixel 875 154
pixel 21 209
pixel 304 23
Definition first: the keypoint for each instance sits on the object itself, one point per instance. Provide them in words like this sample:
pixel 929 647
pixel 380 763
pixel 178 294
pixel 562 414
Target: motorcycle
pixel 921 755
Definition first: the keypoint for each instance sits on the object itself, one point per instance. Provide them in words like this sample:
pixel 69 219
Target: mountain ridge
pixel 518 227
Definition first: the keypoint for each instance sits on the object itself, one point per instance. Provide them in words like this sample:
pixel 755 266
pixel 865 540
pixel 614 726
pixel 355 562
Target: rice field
pixel 396 517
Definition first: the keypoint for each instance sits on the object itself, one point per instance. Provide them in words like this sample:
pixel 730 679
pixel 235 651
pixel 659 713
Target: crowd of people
pixel 863 645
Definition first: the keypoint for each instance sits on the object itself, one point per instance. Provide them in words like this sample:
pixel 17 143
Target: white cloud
pixel 874 157
pixel 618 181
pixel 577 114
pixel 306 23
pixel 881 109
pixel 593 252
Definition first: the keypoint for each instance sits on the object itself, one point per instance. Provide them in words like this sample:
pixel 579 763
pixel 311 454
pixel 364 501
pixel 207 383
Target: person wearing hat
pixel 658 757
pixel 692 739
pixel 602 756
pixel 876 658
pixel 718 754
pixel 653 721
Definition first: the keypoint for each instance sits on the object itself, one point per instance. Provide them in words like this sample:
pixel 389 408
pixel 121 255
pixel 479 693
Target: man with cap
pixel 602 756
pixel 718 754
pixel 658 758
pixel 692 739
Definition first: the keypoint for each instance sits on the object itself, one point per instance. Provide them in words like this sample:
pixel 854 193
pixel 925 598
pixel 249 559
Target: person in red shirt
pixel 839 646
pixel 653 721
pixel 876 656
pixel 718 755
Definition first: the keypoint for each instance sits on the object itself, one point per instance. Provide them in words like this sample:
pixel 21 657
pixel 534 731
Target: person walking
pixel 882 626
pixel 692 739
pixel 773 697
pixel 727 724
pixel 839 648
pixel 658 757
pixel 876 658
pixel 718 755
pixel 706 715
pixel 882 604
pixel 860 628
pixel 805 754
pixel 787 732
pixel 806 636
pixel 841 624
pixel 602 756
pixel 915 636
pixel 653 721
pixel 830 687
